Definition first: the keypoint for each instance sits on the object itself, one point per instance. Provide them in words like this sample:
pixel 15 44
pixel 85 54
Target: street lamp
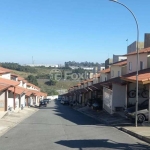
pixel 137 63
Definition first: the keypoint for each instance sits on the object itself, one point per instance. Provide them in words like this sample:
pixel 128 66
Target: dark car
pixel 64 101
pixel 142 113
pixel 46 100
pixel 43 104
pixel 97 105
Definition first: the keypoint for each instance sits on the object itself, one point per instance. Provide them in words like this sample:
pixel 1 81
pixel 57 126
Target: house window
pixel 105 79
pixel 130 65
pixel 118 73
pixel 141 65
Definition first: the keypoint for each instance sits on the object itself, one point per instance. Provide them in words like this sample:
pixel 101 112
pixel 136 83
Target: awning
pixel 143 77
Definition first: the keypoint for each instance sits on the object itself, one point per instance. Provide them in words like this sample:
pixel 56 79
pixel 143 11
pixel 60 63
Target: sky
pixel 56 31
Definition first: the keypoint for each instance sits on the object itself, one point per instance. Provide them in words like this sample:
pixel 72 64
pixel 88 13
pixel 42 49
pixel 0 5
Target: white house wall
pixel 119 98
pixel 2 101
pixel 107 100
pixel 23 100
pixel 10 102
pixel 6 76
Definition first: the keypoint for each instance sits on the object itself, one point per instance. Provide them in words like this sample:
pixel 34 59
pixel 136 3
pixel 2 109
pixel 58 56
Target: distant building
pixel 117 58
pixel 85 68
pixel 147 40
pixel 98 68
pixel 107 62
pixel 45 65
pixel 133 46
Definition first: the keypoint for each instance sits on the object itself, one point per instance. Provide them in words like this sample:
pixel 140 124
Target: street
pixel 59 127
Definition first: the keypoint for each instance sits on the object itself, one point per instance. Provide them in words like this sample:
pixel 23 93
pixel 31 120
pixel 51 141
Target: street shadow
pixel 101 144
pixel 68 113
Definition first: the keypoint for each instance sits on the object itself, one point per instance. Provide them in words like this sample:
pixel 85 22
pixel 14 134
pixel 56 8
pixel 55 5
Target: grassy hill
pixel 62 84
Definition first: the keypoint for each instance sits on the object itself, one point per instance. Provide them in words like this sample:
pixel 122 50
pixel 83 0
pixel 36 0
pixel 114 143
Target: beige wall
pixel 115 69
pixel 103 76
pixel 89 83
pixel 133 58
pixel 124 70
pixel 95 80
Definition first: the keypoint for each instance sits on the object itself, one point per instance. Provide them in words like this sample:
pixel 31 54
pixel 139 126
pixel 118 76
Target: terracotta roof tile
pixel 121 63
pixel 4 86
pixel 145 50
pixel 105 71
pixel 5 69
pixel 9 82
pixel 143 77
pixel 18 90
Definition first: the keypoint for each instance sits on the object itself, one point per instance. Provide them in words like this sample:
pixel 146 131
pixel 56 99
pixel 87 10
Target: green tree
pixel 32 79
pixel 51 82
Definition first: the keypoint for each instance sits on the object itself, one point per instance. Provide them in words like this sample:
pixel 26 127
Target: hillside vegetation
pixel 42 76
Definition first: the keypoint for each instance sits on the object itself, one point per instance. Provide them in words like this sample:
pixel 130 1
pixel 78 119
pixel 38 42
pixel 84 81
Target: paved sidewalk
pixel 104 117
pixel 142 131
pixel 11 119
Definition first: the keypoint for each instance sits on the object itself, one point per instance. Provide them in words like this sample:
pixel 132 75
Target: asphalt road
pixel 59 127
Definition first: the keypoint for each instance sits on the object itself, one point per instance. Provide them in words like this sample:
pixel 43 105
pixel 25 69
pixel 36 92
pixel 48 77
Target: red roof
pixel 9 82
pixel 105 71
pixel 4 69
pixel 121 63
pixel 145 50
pixel 143 77
pixel 18 90
pixel 4 86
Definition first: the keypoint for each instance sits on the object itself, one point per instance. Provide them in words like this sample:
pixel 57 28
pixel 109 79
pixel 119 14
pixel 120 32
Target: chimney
pixel 147 40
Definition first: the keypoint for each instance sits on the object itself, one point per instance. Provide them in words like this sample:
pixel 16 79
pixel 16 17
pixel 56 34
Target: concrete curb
pixel 143 138
pixel 15 124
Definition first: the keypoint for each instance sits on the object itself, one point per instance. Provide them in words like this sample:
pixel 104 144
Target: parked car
pixel 95 106
pixel 59 99
pixel 142 113
pixel 72 103
pixel 90 102
pixel 43 104
pixel 46 100
pixel 64 101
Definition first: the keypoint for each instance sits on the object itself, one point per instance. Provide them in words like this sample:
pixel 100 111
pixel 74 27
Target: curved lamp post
pixel 137 63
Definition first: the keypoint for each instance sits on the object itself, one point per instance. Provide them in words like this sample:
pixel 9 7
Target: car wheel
pixel 141 118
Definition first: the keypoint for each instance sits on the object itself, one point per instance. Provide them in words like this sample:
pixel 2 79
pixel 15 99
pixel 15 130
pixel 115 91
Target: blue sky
pixel 55 31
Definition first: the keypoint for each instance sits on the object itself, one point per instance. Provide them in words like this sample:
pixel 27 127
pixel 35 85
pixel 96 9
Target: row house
pixel 112 99
pixel 16 92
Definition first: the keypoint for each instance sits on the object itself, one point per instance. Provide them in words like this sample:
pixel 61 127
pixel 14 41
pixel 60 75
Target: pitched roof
pixel 4 86
pixel 145 50
pixel 143 76
pixel 5 69
pixel 18 90
pixel 120 63
pixel 9 82
pixel 12 74
pixel 105 71
pixel 34 92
